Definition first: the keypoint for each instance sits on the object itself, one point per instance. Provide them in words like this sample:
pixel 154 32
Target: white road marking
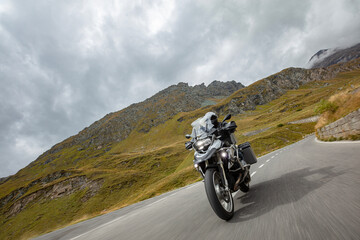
pixel 268 160
pixel 191 186
pixel 103 225
pixel 261 165
pixel 253 174
pixel 336 142
pixel 272 156
pixel 162 199
pixel 116 219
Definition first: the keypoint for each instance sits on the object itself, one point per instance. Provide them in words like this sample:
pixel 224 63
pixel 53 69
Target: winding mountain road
pixel 307 190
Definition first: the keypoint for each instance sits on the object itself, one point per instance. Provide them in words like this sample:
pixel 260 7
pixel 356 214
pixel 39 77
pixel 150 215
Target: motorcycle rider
pixel 214 120
pixel 209 121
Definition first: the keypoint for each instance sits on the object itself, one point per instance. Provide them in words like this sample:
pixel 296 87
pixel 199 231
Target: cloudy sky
pixel 65 64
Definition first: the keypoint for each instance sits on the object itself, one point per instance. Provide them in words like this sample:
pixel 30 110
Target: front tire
pixel 220 200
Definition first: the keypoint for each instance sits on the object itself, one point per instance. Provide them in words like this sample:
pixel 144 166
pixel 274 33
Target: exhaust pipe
pixel 241 179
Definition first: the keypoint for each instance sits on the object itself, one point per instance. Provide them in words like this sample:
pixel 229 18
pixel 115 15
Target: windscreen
pixel 202 126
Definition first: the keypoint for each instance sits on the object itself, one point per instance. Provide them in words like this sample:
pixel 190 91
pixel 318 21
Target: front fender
pixel 202 157
pixel 199 158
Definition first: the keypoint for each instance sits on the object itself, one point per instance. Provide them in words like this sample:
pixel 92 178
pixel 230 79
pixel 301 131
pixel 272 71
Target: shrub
pixel 354 137
pixel 325 106
pixel 332 139
pixel 280 125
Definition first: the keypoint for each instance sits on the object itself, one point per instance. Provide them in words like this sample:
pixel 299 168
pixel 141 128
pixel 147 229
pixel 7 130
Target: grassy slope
pixel 342 103
pixel 145 165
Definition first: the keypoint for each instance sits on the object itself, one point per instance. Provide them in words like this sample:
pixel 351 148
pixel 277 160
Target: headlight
pixel 223 154
pixel 202 145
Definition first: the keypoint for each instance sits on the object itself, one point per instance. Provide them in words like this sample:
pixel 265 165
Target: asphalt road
pixel 308 190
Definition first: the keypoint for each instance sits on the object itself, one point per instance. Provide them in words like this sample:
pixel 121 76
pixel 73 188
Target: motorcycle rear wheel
pixel 220 200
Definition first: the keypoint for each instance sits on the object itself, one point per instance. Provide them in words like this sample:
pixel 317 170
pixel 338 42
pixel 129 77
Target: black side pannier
pixel 248 153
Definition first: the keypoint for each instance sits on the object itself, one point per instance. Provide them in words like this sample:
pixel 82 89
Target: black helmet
pixel 214 120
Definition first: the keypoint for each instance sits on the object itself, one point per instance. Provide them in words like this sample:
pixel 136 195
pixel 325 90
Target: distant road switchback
pixel 307 190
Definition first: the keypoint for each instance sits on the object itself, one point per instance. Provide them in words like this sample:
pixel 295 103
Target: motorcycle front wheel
pixel 220 199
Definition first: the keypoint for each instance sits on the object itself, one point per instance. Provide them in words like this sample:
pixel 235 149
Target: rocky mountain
pixel 141 117
pixel 327 57
pixel 274 86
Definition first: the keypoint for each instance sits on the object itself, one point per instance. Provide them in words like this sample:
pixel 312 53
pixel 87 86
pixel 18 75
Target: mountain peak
pixel 327 57
pixel 182 84
pixel 142 116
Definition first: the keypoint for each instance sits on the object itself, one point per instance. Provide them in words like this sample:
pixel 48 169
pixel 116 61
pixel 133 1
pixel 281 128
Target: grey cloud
pixel 65 64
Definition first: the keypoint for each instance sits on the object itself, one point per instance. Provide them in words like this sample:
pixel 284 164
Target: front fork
pixel 223 175
pixel 221 172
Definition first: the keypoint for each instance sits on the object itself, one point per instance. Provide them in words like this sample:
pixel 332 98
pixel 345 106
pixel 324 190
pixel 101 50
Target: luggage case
pixel 248 153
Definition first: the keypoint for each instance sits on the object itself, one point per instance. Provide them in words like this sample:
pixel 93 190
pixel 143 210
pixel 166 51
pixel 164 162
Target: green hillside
pixel 76 183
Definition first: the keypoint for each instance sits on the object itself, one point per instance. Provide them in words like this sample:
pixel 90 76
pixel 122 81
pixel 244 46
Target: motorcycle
pixel 224 166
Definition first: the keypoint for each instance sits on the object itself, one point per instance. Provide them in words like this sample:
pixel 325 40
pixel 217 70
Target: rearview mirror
pixel 227 117
pixel 188 136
